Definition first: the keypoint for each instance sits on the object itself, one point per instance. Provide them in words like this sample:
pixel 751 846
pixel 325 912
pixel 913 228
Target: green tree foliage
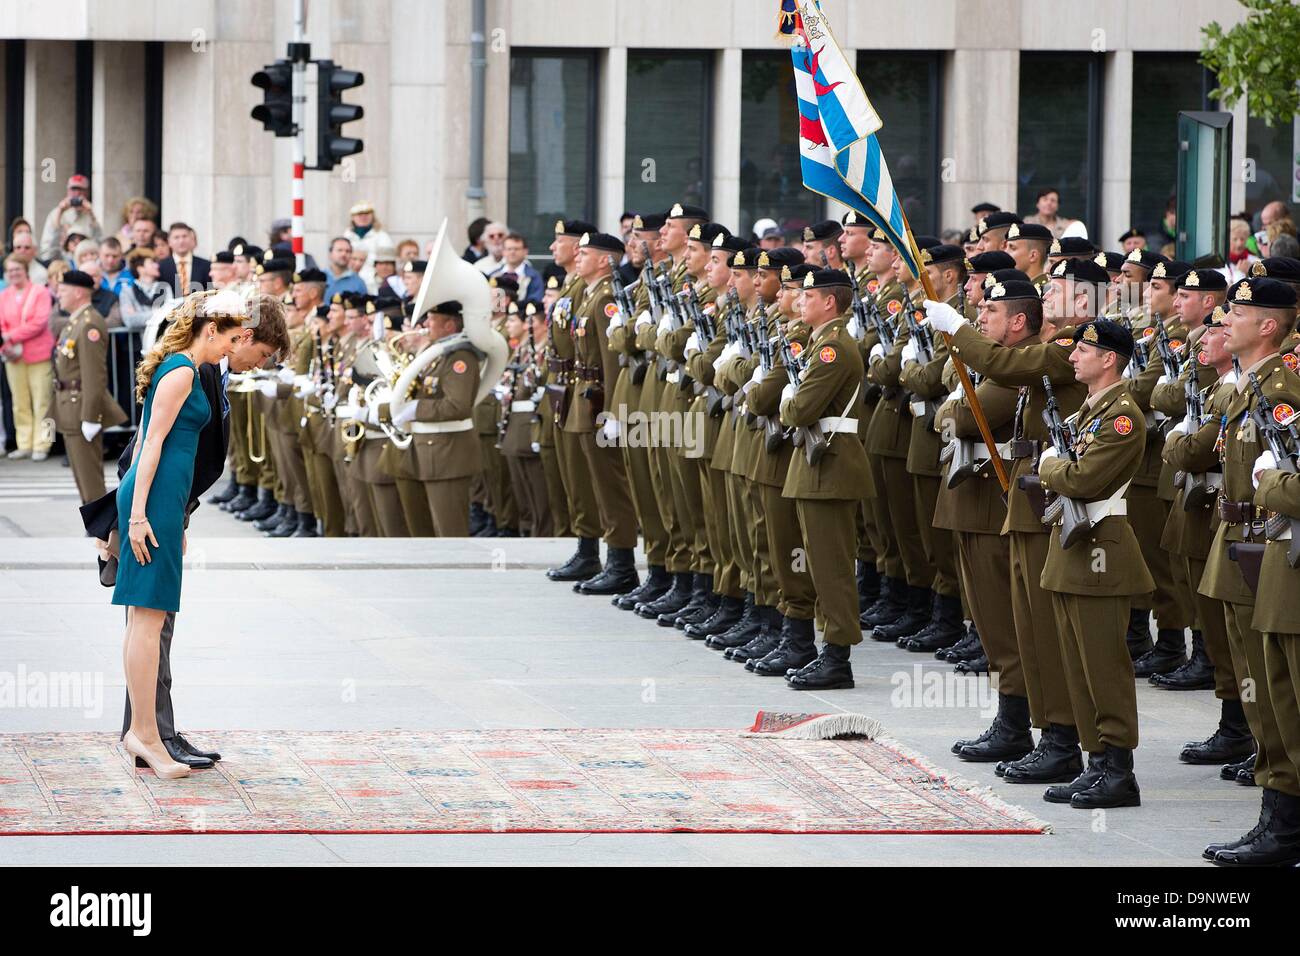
pixel 1258 58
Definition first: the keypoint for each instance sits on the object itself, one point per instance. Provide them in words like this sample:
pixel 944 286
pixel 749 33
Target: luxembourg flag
pixel 838 149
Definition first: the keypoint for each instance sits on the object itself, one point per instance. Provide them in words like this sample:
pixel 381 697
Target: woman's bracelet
pixel 138 521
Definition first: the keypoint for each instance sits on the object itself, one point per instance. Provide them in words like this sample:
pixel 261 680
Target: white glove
pixel 329 401
pixel 610 429
pixel 1048 453
pixel 1163 380
pixel 500 391
pixel 270 388
pixel 401 412
pixel 729 351
pixel 943 317
pixel 346 412
pixel 692 344
pixel 957 393
pixel 853 328
pixel 910 353
pixel 787 393
pixel 305 389
pixel 760 373
pixel 1265 462
pixel 286 375
pixel 369 414
pixel 90 429
pixel 644 319
pixel 665 324
pixel 1182 428
pixel 877 352
pixel 617 320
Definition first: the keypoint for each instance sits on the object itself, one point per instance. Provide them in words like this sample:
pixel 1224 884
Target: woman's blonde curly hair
pixel 184 323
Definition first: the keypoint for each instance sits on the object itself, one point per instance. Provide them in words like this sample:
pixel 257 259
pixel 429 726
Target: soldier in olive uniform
pixel 1076 289
pixel 993 230
pixel 1093 579
pixel 83 405
pixel 519 446
pixel 826 492
pixel 1259 321
pixel 1028 244
pixel 444 453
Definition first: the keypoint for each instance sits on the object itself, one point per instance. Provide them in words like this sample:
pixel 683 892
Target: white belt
pixel 1116 504
pixel 524 406
pixel 917 409
pixel 838 423
pixel 375 433
pixel 438 428
pixel 674 376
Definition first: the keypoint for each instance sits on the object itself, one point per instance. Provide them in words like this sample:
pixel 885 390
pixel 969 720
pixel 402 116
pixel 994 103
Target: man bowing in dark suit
pixel 183 271
pixel 265 336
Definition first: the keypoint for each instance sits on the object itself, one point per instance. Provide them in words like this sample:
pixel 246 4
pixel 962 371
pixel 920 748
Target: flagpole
pixel 963 375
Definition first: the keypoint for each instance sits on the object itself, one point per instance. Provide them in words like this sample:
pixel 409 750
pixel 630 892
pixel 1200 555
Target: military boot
pixel 765 640
pixel 968 646
pixel 1064 792
pixel 1008 737
pixel 674 599
pixel 478 519
pixel 619 574
pixel 581 565
pixel 227 493
pixel 1169 654
pixel 1117 787
pixel 868 585
pixel 245 499
pixel 306 526
pixel 723 618
pixel 1196 674
pixel 945 629
pixel 888 606
pixel 914 617
pixel 274 519
pixel 750 626
pixel 1230 741
pixel 978 664
pixel 265 507
pixel 1138 637
pixel 1235 770
pixel 1266 807
pixel 749 617
pixel 657 582
pixel 702 602
pixel 829 671
pixel 798 647
pixel 1059 761
pixel 287 527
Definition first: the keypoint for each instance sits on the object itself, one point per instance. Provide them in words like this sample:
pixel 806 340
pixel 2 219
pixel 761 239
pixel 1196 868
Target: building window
pixel 1275 153
pixel 771 182
pixel 1060 134
pixel 905 89
pixel 668 114
pixel 1163 86
pixel 552 142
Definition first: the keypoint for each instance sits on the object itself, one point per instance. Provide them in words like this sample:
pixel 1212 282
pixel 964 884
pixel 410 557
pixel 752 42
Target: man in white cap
pixel 74 213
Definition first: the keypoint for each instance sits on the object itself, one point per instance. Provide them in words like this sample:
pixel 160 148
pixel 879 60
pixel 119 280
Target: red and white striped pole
pixel 300 58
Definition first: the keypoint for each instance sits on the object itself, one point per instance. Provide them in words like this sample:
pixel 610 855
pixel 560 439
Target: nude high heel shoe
pixel 167 769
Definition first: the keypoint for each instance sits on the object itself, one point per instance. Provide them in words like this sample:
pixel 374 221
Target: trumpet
pixel 376 369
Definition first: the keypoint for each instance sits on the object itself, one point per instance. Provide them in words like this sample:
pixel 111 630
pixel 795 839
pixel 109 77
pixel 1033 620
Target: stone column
pixel 117 143
pixel 980 132
pixel 611 141
pixel 725 161
pixel 49 129
pixel 1116 151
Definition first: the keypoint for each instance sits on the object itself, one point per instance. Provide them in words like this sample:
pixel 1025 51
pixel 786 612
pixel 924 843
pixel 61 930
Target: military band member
pixel 83 405
pixel 1092 581
pixel 520 446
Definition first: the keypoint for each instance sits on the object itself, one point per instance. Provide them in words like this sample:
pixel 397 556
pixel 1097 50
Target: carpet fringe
pixel 827 727
pixel 965 785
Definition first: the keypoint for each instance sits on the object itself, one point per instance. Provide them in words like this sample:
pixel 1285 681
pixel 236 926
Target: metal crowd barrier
pixel 125 349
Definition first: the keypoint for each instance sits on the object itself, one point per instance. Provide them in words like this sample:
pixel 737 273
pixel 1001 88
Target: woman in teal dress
pixel 152 498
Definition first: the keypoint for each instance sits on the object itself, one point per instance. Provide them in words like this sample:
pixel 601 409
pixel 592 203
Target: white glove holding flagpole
pixel 943 317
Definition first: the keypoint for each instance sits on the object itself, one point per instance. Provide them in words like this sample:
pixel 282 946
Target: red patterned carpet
pixel 576 780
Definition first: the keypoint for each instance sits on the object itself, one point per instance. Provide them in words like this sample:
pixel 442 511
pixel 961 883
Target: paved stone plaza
pixel 426 634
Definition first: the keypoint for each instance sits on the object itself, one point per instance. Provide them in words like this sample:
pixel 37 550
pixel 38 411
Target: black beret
pixel 1277 267
pixel 1264 293
pixel 729 243
pixel 224 256
pixel 985 207
pixel 927 242
pixel 1029 230
pixel 310 275
pixel 973 234
pixel 247 251
pixel 554 272
pixel 415 265
pixel 1071 246
pixel 1011 290
pixel 235 243
pixel 1004 276
pixel 322 311
pixel 997 220
pixel 746 258
pixel 1133 233
pixel 686 211
pixel 1110 261
pixel 1171 270
pixel 1202 280
pixel 827 279
pixel 573 227
pixel 796 272
pixel 450 307
pixel 782 256
pixel 1215 319
pixel 1144 258
pixel 854 219
pixel 505 280
pixel 821 231
pixel 355 300
pixel 1080 270
pixel 76 277
pixel 650 222
pixel 943 254
pixel 274 265
pixel 602 241
pixel 706 232
pixel 1106 334
pixel 990 261
pixel 387 299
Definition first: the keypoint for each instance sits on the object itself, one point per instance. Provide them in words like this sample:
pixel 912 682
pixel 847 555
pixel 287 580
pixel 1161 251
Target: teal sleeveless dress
pixel 158 584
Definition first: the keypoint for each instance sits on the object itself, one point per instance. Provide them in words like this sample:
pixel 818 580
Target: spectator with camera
pixel 73 214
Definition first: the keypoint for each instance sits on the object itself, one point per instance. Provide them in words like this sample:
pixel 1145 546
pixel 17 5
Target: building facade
pixel 593 107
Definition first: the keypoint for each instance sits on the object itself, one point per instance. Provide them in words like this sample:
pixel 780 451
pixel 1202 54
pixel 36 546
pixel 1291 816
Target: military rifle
pixel 1072 514
pixel 1283 441
pixel 635 361
pixel 808 437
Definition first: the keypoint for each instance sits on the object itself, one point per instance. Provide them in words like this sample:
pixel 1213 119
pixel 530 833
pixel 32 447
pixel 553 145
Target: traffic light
pixel 275 113
pixel 332 113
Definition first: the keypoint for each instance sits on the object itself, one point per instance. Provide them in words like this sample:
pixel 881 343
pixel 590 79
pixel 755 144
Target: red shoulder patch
pixel 827 354
pixel 92 334
pixel 1283 413
pixel 796 349
pixel 1148 332
pixel 1123 424
pixel 1066 343
pixel 1175 343
pixel 895 307
pixel 459 366
pixel 873 286
pixel 1291 361
pixel 611 310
